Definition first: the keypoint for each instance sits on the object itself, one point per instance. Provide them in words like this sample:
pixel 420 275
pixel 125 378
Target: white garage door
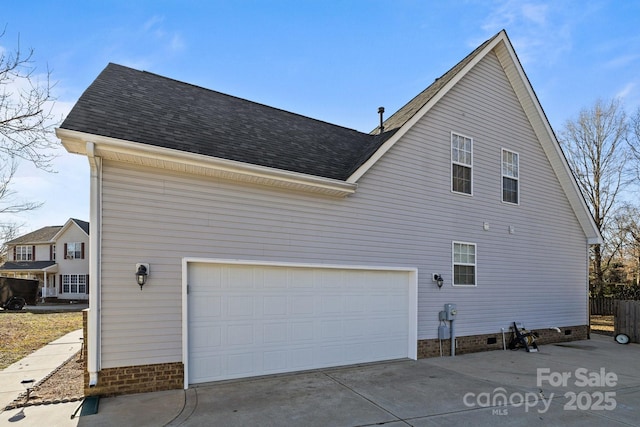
pixel 250 320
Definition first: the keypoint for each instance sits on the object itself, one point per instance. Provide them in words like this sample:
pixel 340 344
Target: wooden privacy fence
pixel 602 306
pixel 627 319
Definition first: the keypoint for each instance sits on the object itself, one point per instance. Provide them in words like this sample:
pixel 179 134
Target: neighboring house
pixel 56 256
pixel 277 243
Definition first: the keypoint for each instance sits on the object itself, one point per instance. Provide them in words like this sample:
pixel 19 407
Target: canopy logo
pixel 595 400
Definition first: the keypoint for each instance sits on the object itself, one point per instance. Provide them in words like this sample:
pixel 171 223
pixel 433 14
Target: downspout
pixel 93 319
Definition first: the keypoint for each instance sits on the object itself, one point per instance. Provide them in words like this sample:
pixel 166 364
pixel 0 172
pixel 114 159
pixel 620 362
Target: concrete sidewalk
pixel 582 383
pixel 55 308
pixel 37 365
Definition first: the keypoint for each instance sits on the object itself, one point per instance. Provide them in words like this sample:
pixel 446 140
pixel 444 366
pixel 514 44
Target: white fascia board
pixel 64 228
pixel 51 269
pixel 541 126
pixel 425 108
pixel 112 148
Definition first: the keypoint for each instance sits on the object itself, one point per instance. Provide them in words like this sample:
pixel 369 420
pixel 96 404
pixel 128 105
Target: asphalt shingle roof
pixel 404 114
pixel 41 235
pixel 142 107
pixel 26 265
pixel 82 224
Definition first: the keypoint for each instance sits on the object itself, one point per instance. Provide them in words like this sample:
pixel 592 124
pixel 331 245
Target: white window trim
pixel 475 265
pixel 67 281
pixel 73 253
pixel 28 251
pixel 502 175
pixel 461 164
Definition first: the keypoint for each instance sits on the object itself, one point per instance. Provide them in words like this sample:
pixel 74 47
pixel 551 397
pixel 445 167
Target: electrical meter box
pixel 450 311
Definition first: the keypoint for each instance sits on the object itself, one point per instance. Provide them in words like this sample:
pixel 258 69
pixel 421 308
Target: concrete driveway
pixel 583 383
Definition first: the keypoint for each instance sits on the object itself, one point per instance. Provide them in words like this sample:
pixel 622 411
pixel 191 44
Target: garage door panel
pixel 299 279
pixel 275 305
pixel 274 361
pixel 275 333
pixel 301 331
pixel 255 320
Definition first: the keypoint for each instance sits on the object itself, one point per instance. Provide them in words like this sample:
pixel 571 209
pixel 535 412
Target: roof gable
pixel 49 234
pixel 400 122
pixel 72 222
pixel 151 120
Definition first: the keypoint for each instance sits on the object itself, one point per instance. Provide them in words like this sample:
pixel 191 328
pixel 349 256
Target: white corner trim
pixel 547 138
pixel 167 158
pixel 185 322
pixel 95 218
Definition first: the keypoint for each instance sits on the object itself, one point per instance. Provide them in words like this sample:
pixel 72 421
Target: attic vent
pixel 381 112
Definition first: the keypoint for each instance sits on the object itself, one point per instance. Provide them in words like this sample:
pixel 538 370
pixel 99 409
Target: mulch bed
pixel 65 384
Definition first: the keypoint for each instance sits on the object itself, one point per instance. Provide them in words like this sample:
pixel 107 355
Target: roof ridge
pixel 237 97
pixel 408 110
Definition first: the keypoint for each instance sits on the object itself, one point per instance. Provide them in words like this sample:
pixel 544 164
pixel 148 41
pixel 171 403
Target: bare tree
pixel 597 154
pixel 634 141
pixel 631 231
pixel 26 123
pixel 8 232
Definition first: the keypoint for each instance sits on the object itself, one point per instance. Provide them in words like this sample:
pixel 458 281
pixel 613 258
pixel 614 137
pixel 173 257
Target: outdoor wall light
pixel 438 279
pixel 142 271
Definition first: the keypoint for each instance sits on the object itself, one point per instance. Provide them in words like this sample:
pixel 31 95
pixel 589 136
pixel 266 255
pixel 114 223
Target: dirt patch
pixel 65 384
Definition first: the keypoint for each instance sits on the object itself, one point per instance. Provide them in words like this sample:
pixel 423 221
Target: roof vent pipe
pixel 381 112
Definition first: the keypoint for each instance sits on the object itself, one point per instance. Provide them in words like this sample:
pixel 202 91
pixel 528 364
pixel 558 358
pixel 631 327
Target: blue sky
pixel 336 61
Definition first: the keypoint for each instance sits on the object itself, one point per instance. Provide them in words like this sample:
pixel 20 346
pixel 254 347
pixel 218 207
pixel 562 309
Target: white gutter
pixel 93 320
pixel 159 157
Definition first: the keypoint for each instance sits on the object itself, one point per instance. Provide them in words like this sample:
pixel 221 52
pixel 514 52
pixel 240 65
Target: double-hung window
pixel 74 250
pixel 74 283
pixel 510 177
pixel 24 253
pixel 464 264
pixel 461 164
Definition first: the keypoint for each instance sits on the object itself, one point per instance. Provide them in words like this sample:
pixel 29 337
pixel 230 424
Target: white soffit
pixel 198 164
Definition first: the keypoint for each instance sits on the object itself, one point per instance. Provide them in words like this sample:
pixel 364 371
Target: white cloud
pixel 626 90
pixel 152 22
pixel 536 13
pixel 540 31
pixel 170 40
pixel 622 61
pixel 177 43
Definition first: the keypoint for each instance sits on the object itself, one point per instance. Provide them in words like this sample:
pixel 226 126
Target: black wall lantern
pixel 142 271
pixel 438 279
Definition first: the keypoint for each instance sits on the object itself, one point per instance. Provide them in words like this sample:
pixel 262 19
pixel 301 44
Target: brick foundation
pixel 132 379
pixel 136 379
pixel 169 376
pixel 487 342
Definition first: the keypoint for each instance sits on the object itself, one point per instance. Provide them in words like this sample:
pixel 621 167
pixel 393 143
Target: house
pixel 56 256
pixel 274 242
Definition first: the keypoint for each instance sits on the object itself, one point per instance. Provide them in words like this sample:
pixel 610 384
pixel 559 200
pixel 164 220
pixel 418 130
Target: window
pixel 74 250
pixel 461 164
pixel 53 252
pixel 24 253
pixel 74 283
pixel 510 175
pixel 464 263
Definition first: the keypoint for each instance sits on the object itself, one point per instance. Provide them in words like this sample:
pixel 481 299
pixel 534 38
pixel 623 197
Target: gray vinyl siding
pixel 403 214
